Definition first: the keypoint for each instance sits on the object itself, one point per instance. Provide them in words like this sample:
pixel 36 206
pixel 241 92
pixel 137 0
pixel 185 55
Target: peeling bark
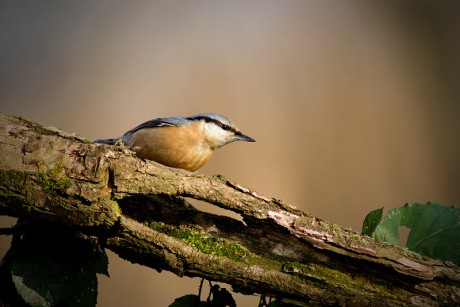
pixel 138 210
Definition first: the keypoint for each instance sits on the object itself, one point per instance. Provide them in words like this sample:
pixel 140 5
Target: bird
pixel 180 142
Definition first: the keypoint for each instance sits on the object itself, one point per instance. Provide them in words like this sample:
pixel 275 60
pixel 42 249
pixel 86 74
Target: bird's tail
pixel 107 141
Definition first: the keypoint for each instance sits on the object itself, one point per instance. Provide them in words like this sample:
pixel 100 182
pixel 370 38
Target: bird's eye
pixel 225 127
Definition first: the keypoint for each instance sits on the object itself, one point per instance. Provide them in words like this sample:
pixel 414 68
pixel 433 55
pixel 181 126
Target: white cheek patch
pixel 217 134
pixel 213 129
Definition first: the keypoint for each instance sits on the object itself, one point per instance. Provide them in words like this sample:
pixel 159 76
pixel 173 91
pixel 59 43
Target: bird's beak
pixel 241 137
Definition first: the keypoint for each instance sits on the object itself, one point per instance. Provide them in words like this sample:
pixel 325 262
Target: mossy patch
pixel 52 179
pixel 336 279
pixel 319 272
pixel 203 242
pixel 9 177
pixel 36 127
pixel 43 131
pixel 40 130
pixel 12 183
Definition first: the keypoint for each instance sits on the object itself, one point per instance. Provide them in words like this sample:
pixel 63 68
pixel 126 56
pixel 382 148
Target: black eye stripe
pixel 218 123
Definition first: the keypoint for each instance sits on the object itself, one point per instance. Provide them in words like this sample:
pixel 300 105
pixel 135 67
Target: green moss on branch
pixel 52 179
pixel 205 243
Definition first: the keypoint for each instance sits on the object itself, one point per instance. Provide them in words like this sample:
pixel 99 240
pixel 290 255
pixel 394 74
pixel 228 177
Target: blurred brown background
pixel 354 105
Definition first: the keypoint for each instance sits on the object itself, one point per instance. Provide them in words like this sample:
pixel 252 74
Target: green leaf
pixel 50 267
pixel 371 221
pixel 241 290
pixel 275 303
pixel 435 229
pixel 217 297
pixel 189 300
pixel 221 297
pixel 387 229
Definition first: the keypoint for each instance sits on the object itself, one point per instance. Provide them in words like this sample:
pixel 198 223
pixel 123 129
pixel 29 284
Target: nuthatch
pixel 181 142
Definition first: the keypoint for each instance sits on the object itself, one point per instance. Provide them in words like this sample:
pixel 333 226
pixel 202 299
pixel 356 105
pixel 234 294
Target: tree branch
pixel 139 210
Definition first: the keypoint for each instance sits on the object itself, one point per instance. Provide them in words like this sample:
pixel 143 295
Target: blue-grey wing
pixel 158 122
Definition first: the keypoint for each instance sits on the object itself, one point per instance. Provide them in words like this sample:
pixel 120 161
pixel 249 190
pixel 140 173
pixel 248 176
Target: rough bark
pixel 139 210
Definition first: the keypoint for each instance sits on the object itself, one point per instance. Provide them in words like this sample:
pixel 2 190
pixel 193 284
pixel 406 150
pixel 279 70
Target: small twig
pixel 200 288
